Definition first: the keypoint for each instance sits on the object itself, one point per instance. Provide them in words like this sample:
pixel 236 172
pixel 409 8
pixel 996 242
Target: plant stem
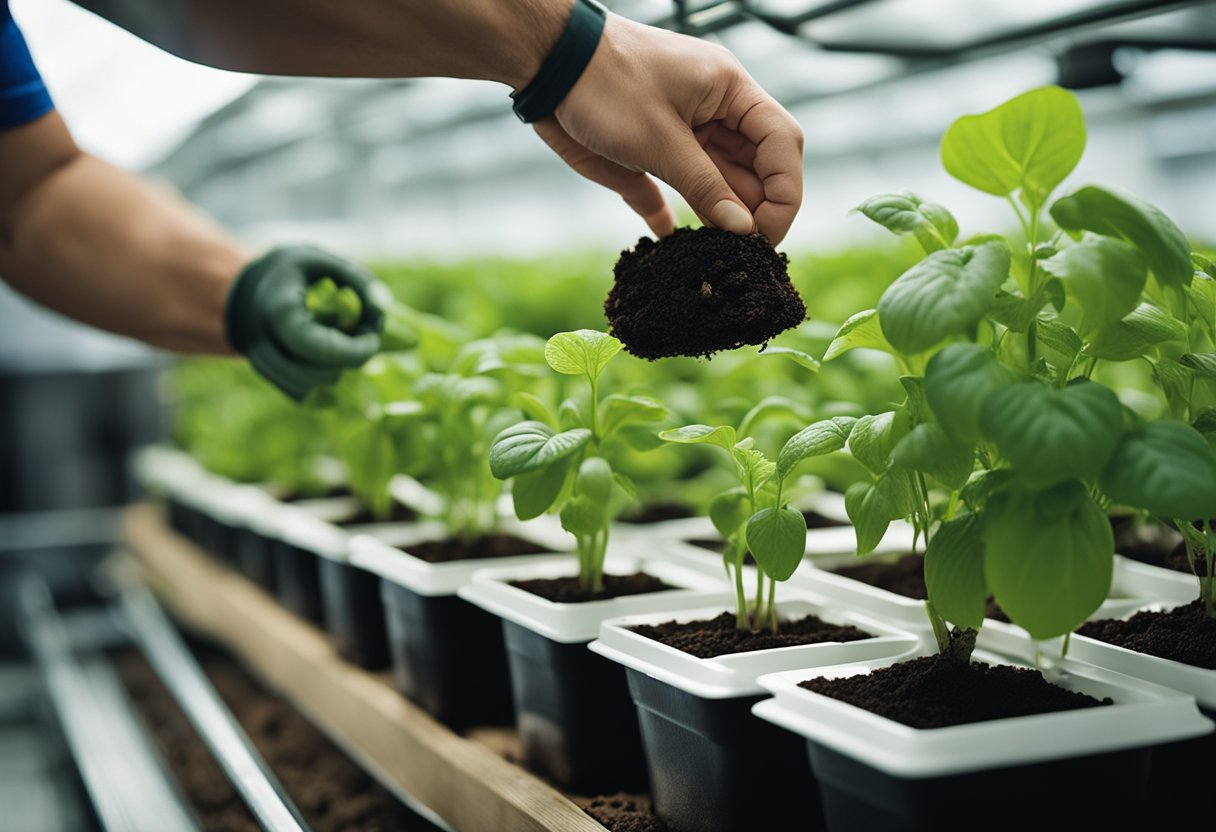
pixel 741 619
pixel 772 605
pixel 758 610
pixel 595 408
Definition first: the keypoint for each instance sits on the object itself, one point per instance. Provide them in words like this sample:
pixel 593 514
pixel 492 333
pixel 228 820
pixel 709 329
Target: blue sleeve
pixel 23 96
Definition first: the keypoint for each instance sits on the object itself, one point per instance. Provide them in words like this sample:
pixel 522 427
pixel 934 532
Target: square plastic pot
pixel 572 707
pixel 714 766
pixel 875 773
pixel 447 654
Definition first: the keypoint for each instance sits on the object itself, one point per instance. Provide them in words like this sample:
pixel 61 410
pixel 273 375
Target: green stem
pixel 741 619
pixel 758 609
pixel 772 605
pixel 595 407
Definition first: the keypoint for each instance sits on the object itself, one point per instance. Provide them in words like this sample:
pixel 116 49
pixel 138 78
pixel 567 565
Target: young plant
pixel 1005 453
pixel 563 461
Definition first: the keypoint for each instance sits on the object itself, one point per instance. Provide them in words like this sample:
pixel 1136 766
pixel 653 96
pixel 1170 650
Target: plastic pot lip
pixel 734 675
pixel 567 623
pixel 1144 714
pixel 381 555
pixel 906 612
pixel 1157 582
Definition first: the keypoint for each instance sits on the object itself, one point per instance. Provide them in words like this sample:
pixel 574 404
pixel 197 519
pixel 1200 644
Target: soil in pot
pixel 571 591
pixel 1184 634
pixel 904 576
pixel 623 813
pixel 1153 543
pixel 939 691
pixel 657 513
pixel 364 516
pixel 699 291
pixel 719 636
pixel 498 545
pixel 330 493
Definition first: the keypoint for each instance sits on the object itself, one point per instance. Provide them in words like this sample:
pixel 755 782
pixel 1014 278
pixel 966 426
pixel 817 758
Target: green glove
pixel 268 319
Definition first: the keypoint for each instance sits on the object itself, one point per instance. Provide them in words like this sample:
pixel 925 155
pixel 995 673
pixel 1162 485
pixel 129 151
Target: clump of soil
pixel 624 813
pixel 657 513
pixel 905 576
pixel 1183 634
pixel 938 691
pixel 719 636
pixel 570 591
pixel 498 545
pixel 699 291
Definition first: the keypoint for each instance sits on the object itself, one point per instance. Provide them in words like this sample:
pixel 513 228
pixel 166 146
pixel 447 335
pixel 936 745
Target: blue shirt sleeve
pixel 23 96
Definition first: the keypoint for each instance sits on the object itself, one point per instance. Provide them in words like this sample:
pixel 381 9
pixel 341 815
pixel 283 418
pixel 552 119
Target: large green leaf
pixel 730 510
pixel 1052 435
pixel 1119 214
pixel 581 352
pixel 861 331
pixel 1048 557
pixel 1132 337
pixel 874 437
pixel 901 213
pixel 954 572
pixel 930 449
pixel 957 382
pixel 534 492
pixel 531 445
pixel 1165 468
pixel 818 439
pixel 945 294
pixel 870 514
pixel 723 436
pixel 1030 142
pixel 802 359
pixel 777 540
pixel 1103 276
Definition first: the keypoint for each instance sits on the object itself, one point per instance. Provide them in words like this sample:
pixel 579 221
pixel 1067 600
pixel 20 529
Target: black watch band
pixel 564 65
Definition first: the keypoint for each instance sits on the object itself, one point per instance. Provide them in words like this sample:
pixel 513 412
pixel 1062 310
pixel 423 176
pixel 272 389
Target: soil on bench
pixel 905 576
pixel 1184 634
pixel 570 591
pixel 700 291
pixel 719 636
pixel 498 545
pixel 624 813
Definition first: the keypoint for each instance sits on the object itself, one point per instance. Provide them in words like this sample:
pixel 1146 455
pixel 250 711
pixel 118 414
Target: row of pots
pixel 725 743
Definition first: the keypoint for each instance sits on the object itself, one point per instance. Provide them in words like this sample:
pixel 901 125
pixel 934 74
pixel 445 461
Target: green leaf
pixel 1133 336
pixel 534 492
pixel 799 357
pixel 873 438
pixel 1103 276
pixel 870 514
pixel 954 572
pixel 618 410
pixel 945 294
pixel 723 436
pixel 823 437
pixel 582 352
pixel 896 486
pixel 531 445
pixel 1205 423
pixel 628 487
pixel 730 510
pixel 957 382
pixel 861 331
pixel 1203 363
pixel 1030 142
pixel 933 225
pixel 1016 312
pixel 984 484
pixel 1059 338
pixel 587 511
pixel 533 407
pixel 1118 214
pixel 917 404
pixel 777 540
pixel 1052 435
pixel 768 407
pixel 930 449
pixel 1165 468
pixel 1048 557
pixel 753 466
pixel 1202 297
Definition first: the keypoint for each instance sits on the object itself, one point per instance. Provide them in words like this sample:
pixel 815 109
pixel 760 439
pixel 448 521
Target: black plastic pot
pixel 448 656
pixel 297 580
pixel 714 767
pixel 1086 792
pixel 1180 785
pixel 574 715
pixel 254 558
pixel 353 613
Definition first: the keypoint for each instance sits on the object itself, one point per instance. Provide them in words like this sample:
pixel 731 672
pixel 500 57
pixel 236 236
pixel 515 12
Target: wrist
pixel 527 34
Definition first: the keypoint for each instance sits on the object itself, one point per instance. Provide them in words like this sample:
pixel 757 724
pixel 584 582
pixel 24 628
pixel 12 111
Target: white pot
pixel 815 575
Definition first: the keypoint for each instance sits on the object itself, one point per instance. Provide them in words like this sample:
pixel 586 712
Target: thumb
pixel 688 168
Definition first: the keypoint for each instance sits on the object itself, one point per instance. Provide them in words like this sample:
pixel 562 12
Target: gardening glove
pixel 297 342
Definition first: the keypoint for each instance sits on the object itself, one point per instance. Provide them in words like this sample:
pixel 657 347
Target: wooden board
pixel 464 782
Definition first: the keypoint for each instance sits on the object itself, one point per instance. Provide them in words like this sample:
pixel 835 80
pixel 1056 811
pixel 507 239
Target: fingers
pixel 686 166
pixel 777 164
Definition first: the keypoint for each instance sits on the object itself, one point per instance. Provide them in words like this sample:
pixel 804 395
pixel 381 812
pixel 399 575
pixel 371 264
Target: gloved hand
pixel 267 318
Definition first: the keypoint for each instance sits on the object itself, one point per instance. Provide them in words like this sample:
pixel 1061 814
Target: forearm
pixel 106 248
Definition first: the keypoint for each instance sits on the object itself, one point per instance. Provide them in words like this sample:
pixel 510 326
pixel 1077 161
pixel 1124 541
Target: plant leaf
pixel 1103 276
pixel 777 540
pixel 1203 363
pixel 1132 337
pixel 1059 338
pixel 534 492
pixel 1052 435
pixel 870 514
pixel 957 382
pixel 1119 214
pixel 873 437
pixel 954 571
pixel 533 407
pixel 581 352
pixel 723 436
pixel 531 445
pixel 729 510
pixel 618 410
pixel 861 331
pixel 823 437
pixel 1048 557
pixel 933 225
pixel 945 294
pixel 929 448
pixel 1165 468
pixel 1030 142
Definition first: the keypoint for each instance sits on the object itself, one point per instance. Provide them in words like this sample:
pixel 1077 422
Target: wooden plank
pixel 466 783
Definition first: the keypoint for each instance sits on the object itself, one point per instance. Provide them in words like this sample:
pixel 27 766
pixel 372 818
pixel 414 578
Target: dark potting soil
pixel 570 591
pixel 938 691
pixel 330 493
pixel 719 636
pixel 658 513
pixel 397 514
pixel 815 520
pixel 333 793
pixel 487 546
pixel 624 813
pixel 905 576
pixel 699 291
pixel 1184 634
pixel 1153 543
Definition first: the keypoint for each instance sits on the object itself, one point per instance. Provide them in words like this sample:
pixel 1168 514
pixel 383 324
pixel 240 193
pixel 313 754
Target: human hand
pixel 267 318
pixel 653 102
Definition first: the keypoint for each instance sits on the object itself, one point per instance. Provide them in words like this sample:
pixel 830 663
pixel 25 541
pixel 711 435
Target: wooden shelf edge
pixel 463 782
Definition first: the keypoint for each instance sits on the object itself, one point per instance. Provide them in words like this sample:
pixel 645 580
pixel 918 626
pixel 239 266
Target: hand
pixel 684 110
pixel 267 318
